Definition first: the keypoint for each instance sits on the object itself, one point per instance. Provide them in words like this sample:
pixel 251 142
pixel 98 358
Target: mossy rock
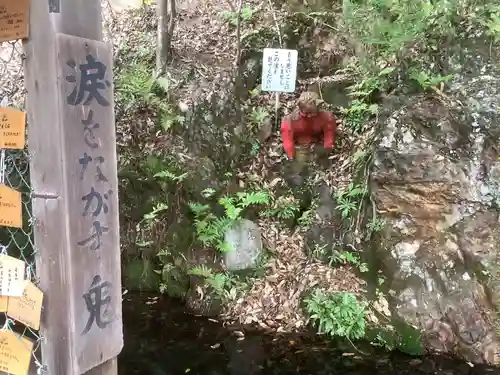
pixel 401 336
pixel 140 276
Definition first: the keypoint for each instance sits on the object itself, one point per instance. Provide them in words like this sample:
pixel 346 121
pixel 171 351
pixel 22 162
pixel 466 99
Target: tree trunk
pixel 166 21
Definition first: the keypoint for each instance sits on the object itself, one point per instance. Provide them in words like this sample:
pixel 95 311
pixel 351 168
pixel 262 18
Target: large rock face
pixel 436 183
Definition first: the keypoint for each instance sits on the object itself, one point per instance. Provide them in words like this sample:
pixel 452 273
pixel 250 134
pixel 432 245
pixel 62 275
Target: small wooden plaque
pixel 11 208
pixel 15 353
pixel 12 127
pixel 12 272
pixel 3 303
pixel 14 19
pixel 28 308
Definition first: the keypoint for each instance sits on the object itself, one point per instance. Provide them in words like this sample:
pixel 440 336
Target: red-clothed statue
pixel 306 126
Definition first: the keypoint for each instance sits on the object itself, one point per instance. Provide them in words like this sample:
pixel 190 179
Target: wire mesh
pixel 15 173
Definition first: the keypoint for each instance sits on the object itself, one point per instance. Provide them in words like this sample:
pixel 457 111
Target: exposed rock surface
pixel 436 183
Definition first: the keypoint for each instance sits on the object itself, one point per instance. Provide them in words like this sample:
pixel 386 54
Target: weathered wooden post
pixel 71 138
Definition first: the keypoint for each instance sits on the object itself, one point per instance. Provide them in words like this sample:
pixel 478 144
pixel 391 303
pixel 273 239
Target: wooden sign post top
pixel 14 19
pixel 86 96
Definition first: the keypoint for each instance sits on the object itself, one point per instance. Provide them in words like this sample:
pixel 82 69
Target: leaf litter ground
pixel 204 46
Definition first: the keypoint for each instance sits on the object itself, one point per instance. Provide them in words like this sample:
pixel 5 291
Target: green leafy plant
pixel 344 257
pixel 360 109
pixel 210 229
pixel 395 34
pixel 157 210
pixel 227 286
pixel 136 87
pixel 306 218
pixel 167 175
pixel 208 192
pixel 426 80
pixel 258 116
pixel 337 314
pixel 369 83
pixel 492 24
pixel 357 114
pixel 246 16
pixel 384 340
pixel 283 208
pixel 217 281
pixel 173 275
pixel 255 148
pixel 320 251
pixel 375 225
pixel 160 207
pixel 347 199
pixel 402 32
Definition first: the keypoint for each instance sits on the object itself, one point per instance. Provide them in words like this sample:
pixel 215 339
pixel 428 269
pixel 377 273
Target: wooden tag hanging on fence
pixel 14 19
pixel 12 126
pixel 11 276
pixel 15 353
pixel 11 208
pixel 28 308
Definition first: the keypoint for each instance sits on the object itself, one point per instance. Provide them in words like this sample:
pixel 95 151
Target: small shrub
pixel 134 86
pixel 375 225
pixel 426 80
pixel 283 208
pixel 337 314
pixel 348 199
pixel 216 281
pixel 344 257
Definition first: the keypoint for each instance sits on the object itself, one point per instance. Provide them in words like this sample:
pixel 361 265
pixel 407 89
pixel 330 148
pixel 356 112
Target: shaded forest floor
pixel 204 46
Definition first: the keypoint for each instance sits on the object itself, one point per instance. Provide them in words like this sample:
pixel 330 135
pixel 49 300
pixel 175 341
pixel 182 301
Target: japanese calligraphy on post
pixel 14 19
pixel 90 145
pixel 279 70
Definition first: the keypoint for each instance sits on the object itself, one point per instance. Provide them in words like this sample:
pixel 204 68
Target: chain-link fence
pixel 15 173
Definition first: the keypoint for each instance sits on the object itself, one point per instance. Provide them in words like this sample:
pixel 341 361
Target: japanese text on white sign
pixel 279 70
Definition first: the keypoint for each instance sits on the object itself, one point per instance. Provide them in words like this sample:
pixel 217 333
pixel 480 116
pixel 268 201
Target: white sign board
pixel 279 70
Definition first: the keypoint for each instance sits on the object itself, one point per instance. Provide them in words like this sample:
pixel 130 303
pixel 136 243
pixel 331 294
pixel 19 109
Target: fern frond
pixel 198 208
pixel 253 198
pixel 201 270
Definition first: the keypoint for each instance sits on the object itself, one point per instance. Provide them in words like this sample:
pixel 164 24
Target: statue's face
pixel 309 110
